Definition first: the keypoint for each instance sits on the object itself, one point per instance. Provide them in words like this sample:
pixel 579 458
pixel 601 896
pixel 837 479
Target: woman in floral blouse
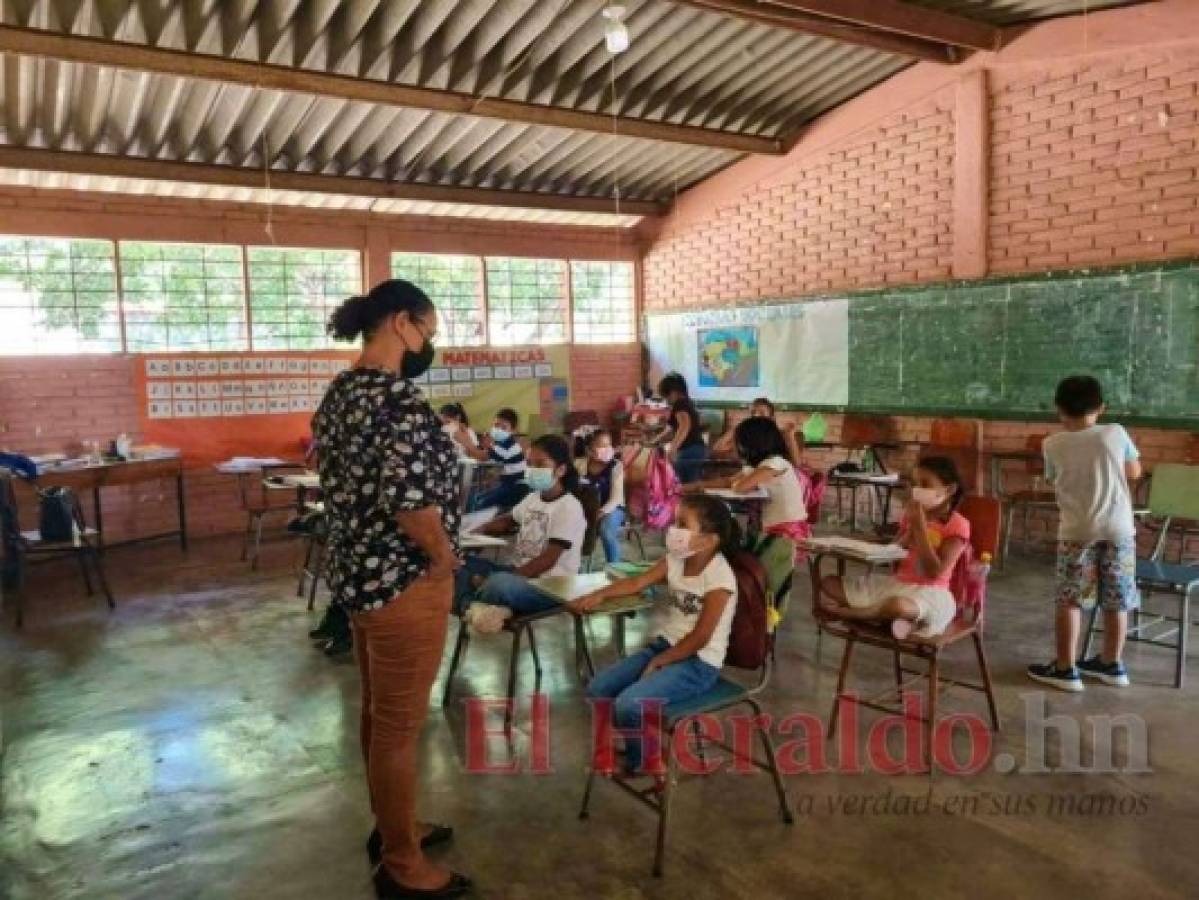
pixel 390 480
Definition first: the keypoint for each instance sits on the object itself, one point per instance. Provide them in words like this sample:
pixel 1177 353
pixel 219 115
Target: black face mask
pixel 414 365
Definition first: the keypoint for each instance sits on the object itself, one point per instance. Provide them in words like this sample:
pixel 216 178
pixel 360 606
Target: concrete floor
pixel 192 745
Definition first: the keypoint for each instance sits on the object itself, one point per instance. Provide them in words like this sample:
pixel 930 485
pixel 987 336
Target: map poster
pixel 728 357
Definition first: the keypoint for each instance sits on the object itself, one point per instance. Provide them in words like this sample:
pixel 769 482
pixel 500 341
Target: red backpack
pixel 748 636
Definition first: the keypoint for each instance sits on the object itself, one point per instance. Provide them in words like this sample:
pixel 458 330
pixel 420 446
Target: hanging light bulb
pixel 616 36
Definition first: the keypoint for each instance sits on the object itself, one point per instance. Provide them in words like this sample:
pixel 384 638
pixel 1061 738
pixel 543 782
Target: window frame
pixel 634 304
pixel 247 263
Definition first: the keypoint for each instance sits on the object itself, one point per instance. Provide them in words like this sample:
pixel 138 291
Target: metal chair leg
pixel 257 541
pixel 81 557
pixel 584 810
pixel 930 726
pixel 898 673
pixel 513 661
pixel 664 807
pixel 1089 636
pixel 845 657
pixel 317 573
pixel 536 661
pixel 455 660
pixel 768 749
pixel 98 565
pixel 698 737
pixel 1007 532
pixel 1184 624
pixel 988 687
pixel 304 566
pixel 245 544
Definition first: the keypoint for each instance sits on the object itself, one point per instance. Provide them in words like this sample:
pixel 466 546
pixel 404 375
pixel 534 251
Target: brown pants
pixel 399 649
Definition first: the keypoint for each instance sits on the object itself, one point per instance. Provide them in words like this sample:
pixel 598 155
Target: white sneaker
pixel 486 618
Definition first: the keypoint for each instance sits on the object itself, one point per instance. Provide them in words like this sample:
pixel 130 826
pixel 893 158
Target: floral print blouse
pixel 382 451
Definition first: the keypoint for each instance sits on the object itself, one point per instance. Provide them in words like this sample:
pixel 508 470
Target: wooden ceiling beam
pixel 904 18
pixel 778 16
pixel 269 76
pixel 109 165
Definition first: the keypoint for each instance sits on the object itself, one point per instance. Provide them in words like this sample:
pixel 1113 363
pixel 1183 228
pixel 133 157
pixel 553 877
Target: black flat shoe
pixel 438 834
pixel 387 888
pixel 341 645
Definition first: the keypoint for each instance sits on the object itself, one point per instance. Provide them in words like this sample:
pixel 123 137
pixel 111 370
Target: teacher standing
pixel 390 481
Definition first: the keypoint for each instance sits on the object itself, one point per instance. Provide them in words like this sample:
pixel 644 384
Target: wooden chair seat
pixel 879 635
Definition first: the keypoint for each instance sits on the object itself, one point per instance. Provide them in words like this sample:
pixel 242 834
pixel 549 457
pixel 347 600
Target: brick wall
pixel 1095 164
pixel 1091 145
pixel 875 210
pixel 53 404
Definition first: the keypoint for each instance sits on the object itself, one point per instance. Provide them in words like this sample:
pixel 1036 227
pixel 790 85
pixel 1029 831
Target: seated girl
pixel 604 471
pixel 763 450
pixel 684 658
pixel 761 408
pixel 550 525
pixel 916 600
pixel 455 423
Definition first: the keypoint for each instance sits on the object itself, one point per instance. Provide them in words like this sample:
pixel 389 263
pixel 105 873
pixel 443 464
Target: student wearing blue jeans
pixel 550 525
pixel 633 693
pixel 686 449
pixel 683 660
pixel 604 471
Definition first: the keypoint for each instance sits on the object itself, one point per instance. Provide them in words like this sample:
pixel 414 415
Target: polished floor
pixel 193 745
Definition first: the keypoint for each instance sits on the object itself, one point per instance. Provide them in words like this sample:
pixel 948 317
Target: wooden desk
pixel 566 588
pixel 95 478
pixel 997 459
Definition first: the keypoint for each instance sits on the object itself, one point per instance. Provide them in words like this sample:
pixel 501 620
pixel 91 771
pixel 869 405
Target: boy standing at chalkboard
pixel 1091 467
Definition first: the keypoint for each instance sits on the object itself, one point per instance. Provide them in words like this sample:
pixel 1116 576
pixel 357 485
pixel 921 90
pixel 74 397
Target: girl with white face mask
pixel 917 597
pixel 684 658
pixel 603 470
pixel 550 526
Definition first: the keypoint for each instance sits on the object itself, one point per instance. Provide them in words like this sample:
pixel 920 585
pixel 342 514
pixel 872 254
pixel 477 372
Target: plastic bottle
pixel 982 566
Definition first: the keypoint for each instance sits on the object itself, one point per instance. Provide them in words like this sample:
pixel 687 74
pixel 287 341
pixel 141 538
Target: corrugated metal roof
pixel 684 65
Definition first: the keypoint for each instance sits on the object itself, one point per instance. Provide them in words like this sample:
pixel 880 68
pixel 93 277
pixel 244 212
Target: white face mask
pixel 605 454
pixel 678 542
pixel 929 498
pixel 499 435
pixel 450 428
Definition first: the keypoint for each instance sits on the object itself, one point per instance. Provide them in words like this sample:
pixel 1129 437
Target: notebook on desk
pixel 861 549
pixel 728 494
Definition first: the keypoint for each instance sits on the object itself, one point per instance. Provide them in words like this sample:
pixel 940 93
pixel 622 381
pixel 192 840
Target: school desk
pixel 95 477
pixel 565 588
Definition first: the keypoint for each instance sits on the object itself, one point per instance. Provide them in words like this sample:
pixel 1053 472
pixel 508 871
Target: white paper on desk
pixel 475 520
pixel 249 463
pixel 862 548
pixel 727 494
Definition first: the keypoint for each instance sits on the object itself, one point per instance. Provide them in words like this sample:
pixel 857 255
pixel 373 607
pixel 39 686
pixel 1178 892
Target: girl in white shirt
pixel 763 450
pixel 550 525
pixel 684 659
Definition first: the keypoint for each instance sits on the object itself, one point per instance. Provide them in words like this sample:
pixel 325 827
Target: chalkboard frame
pixel 1164 422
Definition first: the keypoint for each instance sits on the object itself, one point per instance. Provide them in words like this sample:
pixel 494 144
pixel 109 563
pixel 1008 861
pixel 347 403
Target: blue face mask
pixel 539 480
pixel 499 435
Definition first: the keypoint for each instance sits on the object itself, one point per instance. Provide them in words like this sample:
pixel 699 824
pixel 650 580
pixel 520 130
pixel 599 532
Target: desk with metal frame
pixel 95 477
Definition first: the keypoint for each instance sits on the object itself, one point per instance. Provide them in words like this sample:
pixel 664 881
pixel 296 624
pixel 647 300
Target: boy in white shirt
pixel 1091 467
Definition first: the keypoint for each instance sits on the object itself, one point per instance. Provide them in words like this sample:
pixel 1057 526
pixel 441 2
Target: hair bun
pixel 350 319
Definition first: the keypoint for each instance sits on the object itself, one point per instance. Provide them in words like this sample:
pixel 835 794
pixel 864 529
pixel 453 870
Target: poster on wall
pixel 728 357
pixel 214 406
pixel 790 352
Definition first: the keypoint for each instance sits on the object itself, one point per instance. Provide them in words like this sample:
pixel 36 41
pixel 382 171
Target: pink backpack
pixel 661 492
pixel 968 584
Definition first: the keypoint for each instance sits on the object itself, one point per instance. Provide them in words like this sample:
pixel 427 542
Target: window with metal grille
pixel 602 296
pixel 58 296
pixel 183 296
pixel 455 285
pixel 526 301
pixel 293 291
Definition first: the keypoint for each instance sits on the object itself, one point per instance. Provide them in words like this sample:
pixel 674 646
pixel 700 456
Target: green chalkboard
pixel 1000 347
